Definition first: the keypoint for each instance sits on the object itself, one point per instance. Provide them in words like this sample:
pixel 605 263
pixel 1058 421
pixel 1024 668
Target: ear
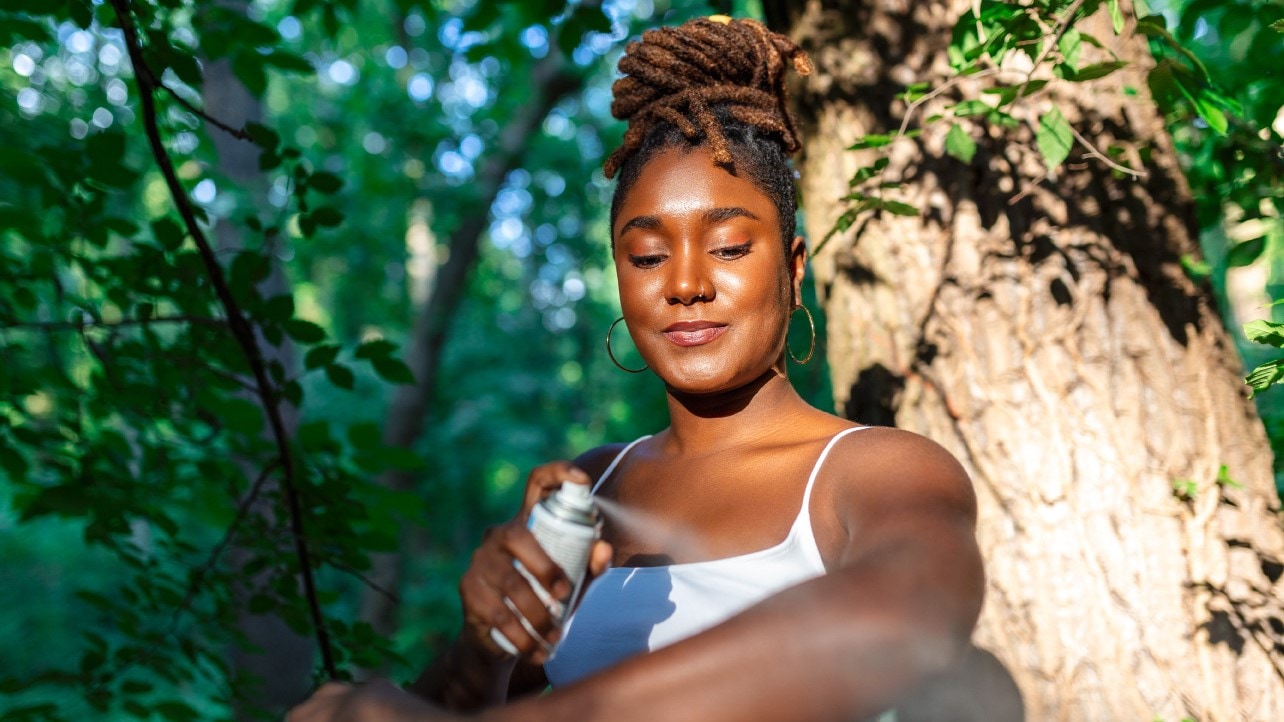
pixel 797 267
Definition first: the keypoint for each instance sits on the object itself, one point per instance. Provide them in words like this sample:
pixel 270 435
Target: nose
pixel 688 280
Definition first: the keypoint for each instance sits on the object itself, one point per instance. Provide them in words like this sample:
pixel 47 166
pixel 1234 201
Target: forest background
pixel 400 253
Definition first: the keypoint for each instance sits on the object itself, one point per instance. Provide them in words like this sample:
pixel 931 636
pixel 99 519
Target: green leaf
pixel 393 369
pixel 1096 70
pixel 1008 93
pixel 319 356
pixel 971 107
pixel 1054 138
pixel 870 141
pixel 1265 376
pixel 1243 254
pixel 263 136
pixel 279 307
pixel 168 233
pixel 248 269
pixel 341 376
pixel 1278 26
pixel 376 348
pixel 1116 15
pixel 583 20
pixel 293 392
pixel 247 66
pixel 1070 45
pixel 1196 267
pixel 175 710
pixel 365 436
pixel 959 144
pixel 289 61
pixel 325 182
pixel 241 415
pixel 315 434
pixel 304 331
pixel 898 208
pixel 326 216
pixel 1266 333
pixel 135 686
pixel 1224 478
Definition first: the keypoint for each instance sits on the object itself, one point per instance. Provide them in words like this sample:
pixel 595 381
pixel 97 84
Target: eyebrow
pixel 711 216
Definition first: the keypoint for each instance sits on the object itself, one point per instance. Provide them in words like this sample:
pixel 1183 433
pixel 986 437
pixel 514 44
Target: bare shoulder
pixel 880 469
pixel 594 462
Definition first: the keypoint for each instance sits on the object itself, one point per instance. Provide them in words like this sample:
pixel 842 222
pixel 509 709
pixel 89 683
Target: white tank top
pixel 631 610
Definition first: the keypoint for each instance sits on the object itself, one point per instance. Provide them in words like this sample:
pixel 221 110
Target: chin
pixel 699 379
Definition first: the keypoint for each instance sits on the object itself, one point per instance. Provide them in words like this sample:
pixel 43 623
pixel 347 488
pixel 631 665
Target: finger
pixel 520 597
pixel 600 558
pixel 511 624
pixel 545 478
pixel 522 546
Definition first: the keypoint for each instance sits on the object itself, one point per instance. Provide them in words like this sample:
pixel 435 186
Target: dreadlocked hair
pixel 717 83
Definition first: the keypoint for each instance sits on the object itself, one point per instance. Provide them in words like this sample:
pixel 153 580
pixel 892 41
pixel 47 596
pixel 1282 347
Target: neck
pixel 700 423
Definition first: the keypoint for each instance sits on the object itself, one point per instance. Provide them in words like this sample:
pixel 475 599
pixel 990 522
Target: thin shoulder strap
pixel 815 470
pixel 616 461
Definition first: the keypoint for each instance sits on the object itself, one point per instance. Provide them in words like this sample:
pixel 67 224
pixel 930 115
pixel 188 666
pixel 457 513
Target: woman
pixel 823 569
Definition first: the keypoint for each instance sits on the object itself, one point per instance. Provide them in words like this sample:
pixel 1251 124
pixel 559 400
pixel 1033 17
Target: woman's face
pixel 704 285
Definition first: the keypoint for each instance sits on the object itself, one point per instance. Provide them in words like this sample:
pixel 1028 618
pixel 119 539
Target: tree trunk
pixel 443 289
pixel 1042 329
pixel 284 661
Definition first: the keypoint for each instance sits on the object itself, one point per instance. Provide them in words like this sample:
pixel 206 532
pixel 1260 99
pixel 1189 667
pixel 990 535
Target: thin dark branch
pixel 90 323
pixel 389 595
pixel 242 511
pixel 239 325
pixel 1063 26
pixel 238 133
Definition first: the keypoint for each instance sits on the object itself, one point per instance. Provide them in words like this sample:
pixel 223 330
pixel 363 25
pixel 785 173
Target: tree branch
pixel 88 324
pixel 238 133
pixel 238 323
pixel 229 534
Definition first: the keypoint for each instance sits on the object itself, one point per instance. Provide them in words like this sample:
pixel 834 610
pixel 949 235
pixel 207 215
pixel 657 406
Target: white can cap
pixel 576 496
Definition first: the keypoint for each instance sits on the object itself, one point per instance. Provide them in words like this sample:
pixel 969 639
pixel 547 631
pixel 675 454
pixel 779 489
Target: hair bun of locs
pixel 675 75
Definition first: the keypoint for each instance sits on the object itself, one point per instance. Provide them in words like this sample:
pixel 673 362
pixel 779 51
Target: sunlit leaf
pixel 1116 15
pixel 1265 332
pixel 1054 138
pixel 1096 70
pixel 1265 375
pixel 959 144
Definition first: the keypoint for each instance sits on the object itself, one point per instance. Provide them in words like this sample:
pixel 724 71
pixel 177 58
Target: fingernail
pixel 561 589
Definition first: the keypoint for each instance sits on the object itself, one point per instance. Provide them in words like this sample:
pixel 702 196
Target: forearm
pixel 844 646
pixel 466 678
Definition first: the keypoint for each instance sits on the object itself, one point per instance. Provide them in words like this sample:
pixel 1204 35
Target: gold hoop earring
pixel 611 353
pixel 811 348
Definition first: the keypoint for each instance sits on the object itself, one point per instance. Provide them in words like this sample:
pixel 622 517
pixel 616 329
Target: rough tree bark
pixel 1044 332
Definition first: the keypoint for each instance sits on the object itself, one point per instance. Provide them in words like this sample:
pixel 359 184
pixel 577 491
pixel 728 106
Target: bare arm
pixel 898 607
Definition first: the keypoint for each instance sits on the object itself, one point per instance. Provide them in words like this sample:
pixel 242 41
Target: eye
pixel 645 261
pixel 731 253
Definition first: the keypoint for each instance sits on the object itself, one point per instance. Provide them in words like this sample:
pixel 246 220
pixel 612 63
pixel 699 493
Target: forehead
pixel 680 182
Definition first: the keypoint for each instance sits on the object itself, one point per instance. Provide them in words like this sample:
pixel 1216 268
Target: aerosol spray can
pixel 565 523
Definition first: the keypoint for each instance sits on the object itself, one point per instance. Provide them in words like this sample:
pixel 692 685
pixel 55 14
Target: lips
pixel 694 333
